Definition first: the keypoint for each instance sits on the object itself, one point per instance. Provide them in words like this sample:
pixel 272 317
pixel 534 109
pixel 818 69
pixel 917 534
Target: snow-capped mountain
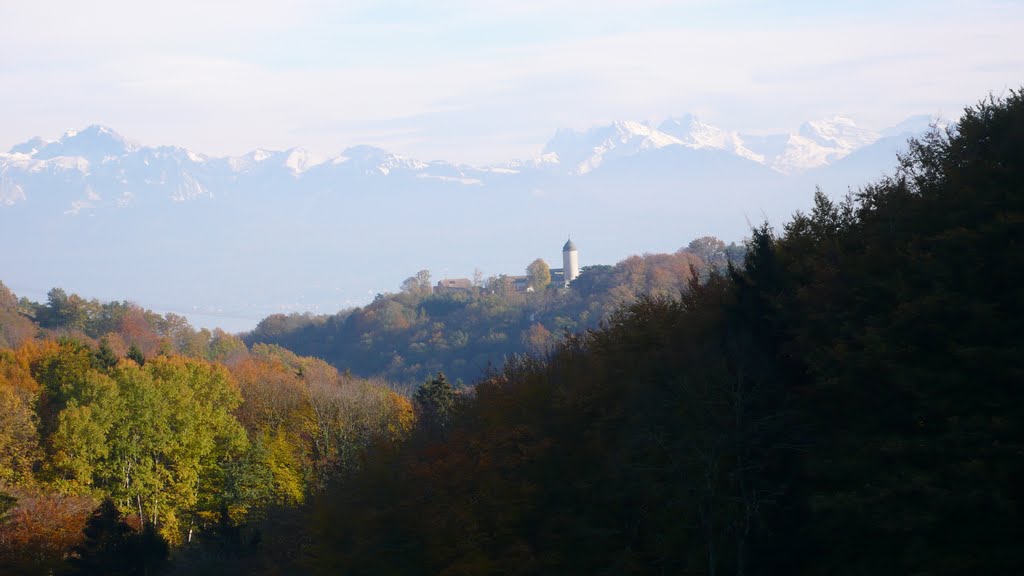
pixel 95 143
pixel 374 161
pixel 816 144
pixel 582 152
pixel 692 132
pixel 838 132
pixel 96 166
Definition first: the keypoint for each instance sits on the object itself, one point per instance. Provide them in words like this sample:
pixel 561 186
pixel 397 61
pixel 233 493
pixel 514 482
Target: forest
pixel 158 438
pixel 845 400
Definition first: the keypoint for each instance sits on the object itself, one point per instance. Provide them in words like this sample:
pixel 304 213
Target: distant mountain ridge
pixel 290 230
pixel 97 157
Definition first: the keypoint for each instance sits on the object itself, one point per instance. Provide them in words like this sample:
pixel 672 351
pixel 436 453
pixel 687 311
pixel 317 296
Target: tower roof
pixel 569 246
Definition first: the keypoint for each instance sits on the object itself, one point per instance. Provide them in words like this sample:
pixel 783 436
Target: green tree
pixel 176 434
pixel 538 274
pixel 104 357
pixel 80 444
pixel 60 373
pixel 7 502
pixel 135 354
pixel 435 401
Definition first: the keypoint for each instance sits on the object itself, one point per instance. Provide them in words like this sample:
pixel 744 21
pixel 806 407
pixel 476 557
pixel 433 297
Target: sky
pixel 481 82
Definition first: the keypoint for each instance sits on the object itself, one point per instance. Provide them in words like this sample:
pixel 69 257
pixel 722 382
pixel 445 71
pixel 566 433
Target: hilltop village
pixel 563 276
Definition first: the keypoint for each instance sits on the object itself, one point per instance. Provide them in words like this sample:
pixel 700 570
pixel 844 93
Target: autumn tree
pixel 226 348
pixel 19 439
pixel 15 325
pixel 538 274
pixel 419 284
pixel 538 339
pixel 39 532
pixel 710 249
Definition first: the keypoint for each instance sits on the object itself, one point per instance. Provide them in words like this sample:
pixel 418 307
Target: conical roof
pixel 569 246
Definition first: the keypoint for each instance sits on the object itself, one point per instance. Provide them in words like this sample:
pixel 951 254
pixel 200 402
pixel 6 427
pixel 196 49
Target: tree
pixel 538 339
pixel 104 357
pixel 19 440
pixel 135 355
pixel 734 253
pixel 39 532
pixel 418 285
pixel 710 249
pixel 112 547
pixel 15 326
pixel 435 403
pixel 80 443
pixel 423 279
pixel 226 348
pixel 60 372
pixel 538 274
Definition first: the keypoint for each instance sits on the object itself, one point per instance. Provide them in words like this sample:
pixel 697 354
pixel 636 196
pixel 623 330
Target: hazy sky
pixel 484 81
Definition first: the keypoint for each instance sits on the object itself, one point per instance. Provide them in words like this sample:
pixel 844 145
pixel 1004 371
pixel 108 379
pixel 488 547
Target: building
pixel 570 262
pixel 570 269
pixel 454 286
pixel 561 277
pixel 521 283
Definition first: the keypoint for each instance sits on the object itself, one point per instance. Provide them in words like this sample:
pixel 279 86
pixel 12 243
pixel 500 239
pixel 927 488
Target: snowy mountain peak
pixel 259 155
pixel 374 160
pixel 299 160
pixel 838 132
pixel 583 151
pixel 683 127
pixel 628 131
pixel 695 133
pixel 251 160
pixel 93 143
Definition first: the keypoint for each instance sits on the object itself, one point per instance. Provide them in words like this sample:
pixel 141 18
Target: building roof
pixel 458 283
pixel 569 246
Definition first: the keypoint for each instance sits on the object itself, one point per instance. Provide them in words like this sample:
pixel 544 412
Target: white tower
pixel 570 262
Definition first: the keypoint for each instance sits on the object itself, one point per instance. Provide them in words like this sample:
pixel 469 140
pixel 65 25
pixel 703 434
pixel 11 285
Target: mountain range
pixel 240 237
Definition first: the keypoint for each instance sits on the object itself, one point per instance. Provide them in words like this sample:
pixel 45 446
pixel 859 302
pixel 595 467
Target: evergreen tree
pixel 112 548
pixel 435 402
pixel 104 358
pixel 135 354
